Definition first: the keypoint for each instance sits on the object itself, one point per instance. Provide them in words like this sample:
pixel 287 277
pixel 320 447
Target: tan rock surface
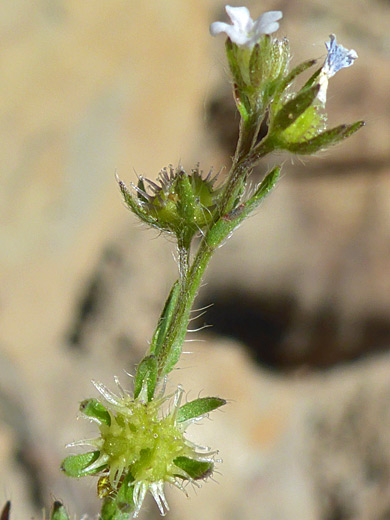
pixel 90 88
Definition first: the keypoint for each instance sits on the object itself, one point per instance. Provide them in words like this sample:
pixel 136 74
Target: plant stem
pixel 240 170
pixel 177 330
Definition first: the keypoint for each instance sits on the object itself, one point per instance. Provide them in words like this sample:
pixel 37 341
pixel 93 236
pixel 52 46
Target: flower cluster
pixel 140 448
pixel 262 84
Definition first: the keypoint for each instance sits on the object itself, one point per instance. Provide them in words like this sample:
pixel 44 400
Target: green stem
pixel 249 131
pixel 190 276
pixel 239 173
pixel 174 338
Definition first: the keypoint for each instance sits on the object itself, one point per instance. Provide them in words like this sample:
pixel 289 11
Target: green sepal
pixel 6 511
pixel 242 103
pixel 94 409
pixel 186 210
pixel 227 223
pixel 141 186
pixel 125 492
pixel 324 140
pixel 238 59
pixel 77 465
pixel 165 320
pixel 308 125
pixel 112 511
pixel 259 61
pixel 287 80
pixel 198 408
pixel 118 505
pixel 290 112
pixel 58 512
pixel 256 66
pixel 194 468
pixel 136 206
pixel 186 202
pixel 313 79
pixel 146 375
pixel 231 54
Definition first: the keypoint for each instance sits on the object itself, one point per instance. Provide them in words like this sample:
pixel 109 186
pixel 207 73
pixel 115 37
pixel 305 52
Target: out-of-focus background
pixel 301 317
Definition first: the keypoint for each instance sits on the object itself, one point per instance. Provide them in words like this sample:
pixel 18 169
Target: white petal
pixel 240 18
pixel 267 23
pixel 231 31
pixel 244 31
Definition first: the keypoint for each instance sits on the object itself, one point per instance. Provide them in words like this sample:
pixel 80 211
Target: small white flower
pixel 245 31
pixel 338 58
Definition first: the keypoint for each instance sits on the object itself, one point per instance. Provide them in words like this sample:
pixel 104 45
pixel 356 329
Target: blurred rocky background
pixel 301 318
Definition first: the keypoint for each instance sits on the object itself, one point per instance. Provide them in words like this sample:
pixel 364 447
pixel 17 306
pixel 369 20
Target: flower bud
pixel 177 202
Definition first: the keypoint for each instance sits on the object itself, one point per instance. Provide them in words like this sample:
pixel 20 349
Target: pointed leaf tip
pixel 94 409
pixel 77 465
pixel 194 468
pixel 324 139
pixel 198 408
pixel 146 375
pixel 58 512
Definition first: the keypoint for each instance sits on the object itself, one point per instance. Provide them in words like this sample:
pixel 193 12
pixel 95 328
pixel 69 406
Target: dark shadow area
pixel 93 298
pixel 280 337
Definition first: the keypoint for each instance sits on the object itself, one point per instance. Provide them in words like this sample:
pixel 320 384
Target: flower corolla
pixel 244 31
pixel 338 58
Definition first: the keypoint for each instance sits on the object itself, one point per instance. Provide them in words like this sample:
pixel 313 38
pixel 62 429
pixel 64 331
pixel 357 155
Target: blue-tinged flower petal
pixel 338 57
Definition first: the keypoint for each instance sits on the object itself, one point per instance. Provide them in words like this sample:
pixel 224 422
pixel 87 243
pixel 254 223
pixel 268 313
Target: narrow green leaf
pixel 77 465
pixel 5 513
pixel 296 71
pixel 199 407
pixel 324 140
pixel 58 512
pixel 174 352
pixel 165 320
pixel 146 372
pixel 227 223
pixel 194 468
pixel 94 409
pixel 266 185
pixel 294 108
pixel 313 79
